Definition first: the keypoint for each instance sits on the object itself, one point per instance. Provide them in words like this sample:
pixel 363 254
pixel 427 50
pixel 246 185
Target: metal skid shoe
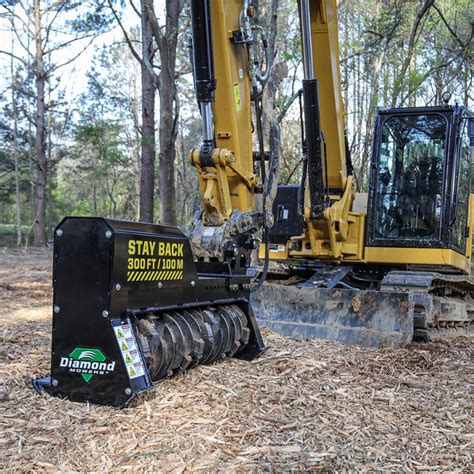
pixel 131 306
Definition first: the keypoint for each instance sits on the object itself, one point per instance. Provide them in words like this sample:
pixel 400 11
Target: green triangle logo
pixel 87 354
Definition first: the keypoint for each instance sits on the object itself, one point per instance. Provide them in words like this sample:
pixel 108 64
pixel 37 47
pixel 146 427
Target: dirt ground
pixel 302 406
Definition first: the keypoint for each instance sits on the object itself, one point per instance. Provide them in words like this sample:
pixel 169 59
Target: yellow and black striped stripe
pixel 165 275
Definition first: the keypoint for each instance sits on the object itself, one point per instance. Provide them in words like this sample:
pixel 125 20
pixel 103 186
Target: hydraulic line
pixel 302 187
pixel 270 190
pixel 312 119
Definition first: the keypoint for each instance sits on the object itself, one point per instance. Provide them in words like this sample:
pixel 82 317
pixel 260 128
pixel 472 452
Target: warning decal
pixel 150 260
pixel 129 350
pixel 237 99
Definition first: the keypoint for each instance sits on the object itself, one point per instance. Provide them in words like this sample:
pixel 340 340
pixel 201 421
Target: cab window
pixel 410 178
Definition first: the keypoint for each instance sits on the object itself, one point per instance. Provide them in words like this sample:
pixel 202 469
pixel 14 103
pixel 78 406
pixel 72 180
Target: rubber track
pixel 432 282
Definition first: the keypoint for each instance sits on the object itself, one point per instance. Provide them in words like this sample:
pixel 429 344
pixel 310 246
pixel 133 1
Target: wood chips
pixel 302 406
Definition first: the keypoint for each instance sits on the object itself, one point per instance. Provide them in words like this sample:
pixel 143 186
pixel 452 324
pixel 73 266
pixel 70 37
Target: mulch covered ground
pixel 303 405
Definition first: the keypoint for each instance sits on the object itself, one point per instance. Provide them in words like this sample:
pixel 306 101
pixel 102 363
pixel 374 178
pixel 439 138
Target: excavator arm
pixel 330 187
pixel 228 83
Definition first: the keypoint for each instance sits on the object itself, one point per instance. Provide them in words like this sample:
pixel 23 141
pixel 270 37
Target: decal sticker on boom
pixel 149 260
pixel 237 99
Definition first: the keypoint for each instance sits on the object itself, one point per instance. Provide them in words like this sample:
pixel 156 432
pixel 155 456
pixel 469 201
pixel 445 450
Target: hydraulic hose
pixel 268 198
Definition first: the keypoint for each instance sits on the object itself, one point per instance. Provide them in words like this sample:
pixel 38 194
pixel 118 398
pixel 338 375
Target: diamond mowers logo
pixel 87 362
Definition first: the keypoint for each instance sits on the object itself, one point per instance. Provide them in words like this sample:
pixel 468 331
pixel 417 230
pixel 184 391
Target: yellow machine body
pixel 358 280
pixel 341 235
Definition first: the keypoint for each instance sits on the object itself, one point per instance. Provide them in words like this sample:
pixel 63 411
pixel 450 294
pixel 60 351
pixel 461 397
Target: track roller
pixel 175 341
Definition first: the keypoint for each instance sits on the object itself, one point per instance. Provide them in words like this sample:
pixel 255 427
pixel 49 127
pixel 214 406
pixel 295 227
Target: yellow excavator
pixel 382 269
pixel 134 303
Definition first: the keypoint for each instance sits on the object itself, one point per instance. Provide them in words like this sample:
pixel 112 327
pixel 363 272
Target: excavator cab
pixel 420 179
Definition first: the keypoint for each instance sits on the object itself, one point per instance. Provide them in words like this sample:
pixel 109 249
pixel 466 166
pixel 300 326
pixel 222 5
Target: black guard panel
pixel 287 221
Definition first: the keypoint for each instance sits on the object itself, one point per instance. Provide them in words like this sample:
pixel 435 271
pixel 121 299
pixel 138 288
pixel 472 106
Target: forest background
pixel 97 107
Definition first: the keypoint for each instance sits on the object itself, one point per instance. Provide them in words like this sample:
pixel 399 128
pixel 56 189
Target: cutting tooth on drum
pixel 175 341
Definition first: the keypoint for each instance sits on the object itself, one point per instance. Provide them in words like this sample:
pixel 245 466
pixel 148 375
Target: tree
pixel 106 150
pixel 149 84
pixel 51 28
pixel 167 38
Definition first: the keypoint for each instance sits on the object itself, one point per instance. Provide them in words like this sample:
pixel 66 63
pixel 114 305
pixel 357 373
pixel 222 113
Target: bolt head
pixel 105 313
pixel 59 232
pixel 108 234
pixel 56 309
pixel 193 283
pixel 160 285
pixel 54 382
pixel 128 391
pixel 118 286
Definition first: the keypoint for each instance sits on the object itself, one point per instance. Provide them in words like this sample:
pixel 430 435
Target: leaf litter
pixel 304 405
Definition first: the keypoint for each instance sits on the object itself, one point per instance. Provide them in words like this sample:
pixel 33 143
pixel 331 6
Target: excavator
pixel 382 270
pixel 134 303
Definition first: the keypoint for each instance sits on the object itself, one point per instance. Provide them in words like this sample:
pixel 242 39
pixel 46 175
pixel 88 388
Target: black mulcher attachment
pixel 131 306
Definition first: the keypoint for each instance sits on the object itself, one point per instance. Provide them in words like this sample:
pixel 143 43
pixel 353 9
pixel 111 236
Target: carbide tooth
pixel 212 320
pixel 235 328
pixel 190 356
pixel 226 332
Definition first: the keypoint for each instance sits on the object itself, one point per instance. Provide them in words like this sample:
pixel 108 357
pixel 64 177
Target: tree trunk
pixel 278 72
pixel 167 44
pixel 39 232
pixel 15 157
pixel 167 137
pixel 147 165
pixel 273 30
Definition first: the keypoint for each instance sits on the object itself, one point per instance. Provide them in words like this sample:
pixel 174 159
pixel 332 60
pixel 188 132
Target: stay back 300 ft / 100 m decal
pixel 149 260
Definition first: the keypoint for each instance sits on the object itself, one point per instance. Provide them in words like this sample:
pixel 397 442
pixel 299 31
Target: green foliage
pixel 89 15
pixel 10 230
pixel 96 140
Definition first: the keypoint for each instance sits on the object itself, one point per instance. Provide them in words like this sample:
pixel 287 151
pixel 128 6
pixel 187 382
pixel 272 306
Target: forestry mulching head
pixel 131 306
